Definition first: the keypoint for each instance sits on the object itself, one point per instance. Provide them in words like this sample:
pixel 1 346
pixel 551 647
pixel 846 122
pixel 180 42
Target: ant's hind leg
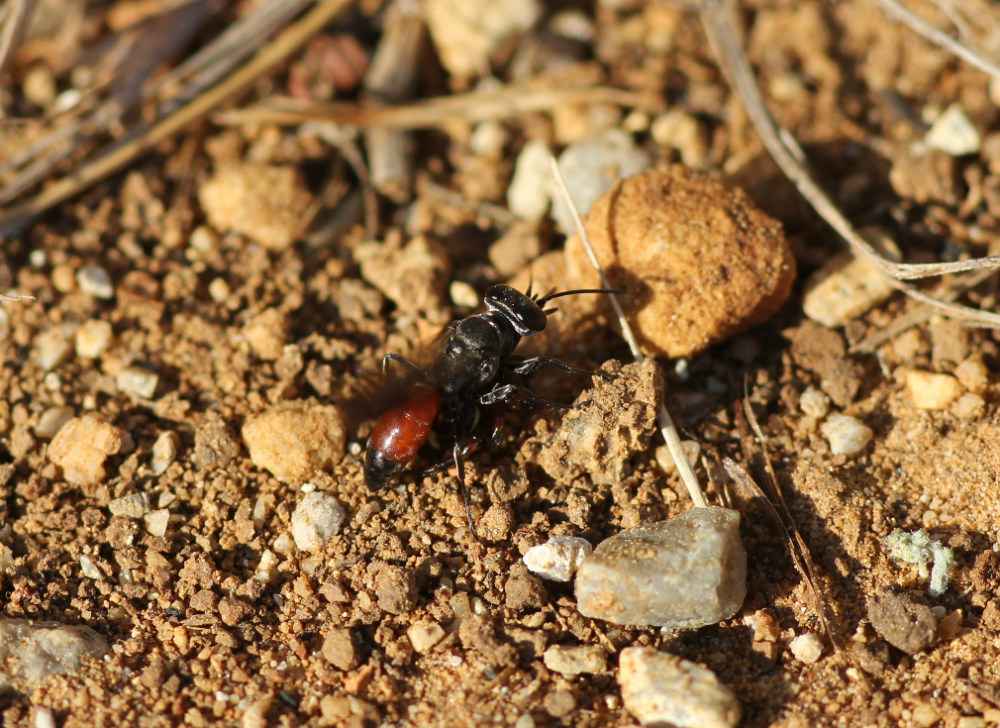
pixel 528 366
pixel 460 462
pixel 402 361
pixel 506 392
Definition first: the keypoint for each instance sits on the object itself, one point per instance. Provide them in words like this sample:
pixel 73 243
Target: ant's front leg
pixel 528 366
pixel 402 361
pixel 506 392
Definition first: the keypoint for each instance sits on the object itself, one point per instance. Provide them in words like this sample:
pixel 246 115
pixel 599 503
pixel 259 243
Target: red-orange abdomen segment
pixel 398 436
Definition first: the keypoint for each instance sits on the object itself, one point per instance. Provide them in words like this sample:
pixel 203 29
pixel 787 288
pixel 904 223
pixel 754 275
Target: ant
pixel 468 373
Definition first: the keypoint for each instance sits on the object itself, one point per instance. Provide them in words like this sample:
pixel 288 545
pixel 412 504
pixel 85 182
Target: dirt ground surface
pixel 201 633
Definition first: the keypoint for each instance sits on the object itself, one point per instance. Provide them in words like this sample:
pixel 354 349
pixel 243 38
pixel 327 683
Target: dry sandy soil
pixel 197 640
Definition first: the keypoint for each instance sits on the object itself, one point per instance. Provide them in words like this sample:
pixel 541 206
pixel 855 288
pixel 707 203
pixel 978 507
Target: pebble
pixel 558 558
pixel 685 572
pixel 807 648
pixel 93 338
pixel 233 610
pixel 44 718
pixel 395 587
pixel 340 650
pixel 570 661
pixel 968 406
pixel 973 374
pixel 953 133
pixel 164 452
pixel 137 382
pixel 53 346
pixel 215 445
pixel 466 33
pixel 843 289
pixel 89 569
pixel 33 650
pixel 679 130
pixel 82 446
pixel 662 689
pixel 52 420
pixel 901 620
pixel 317 518
pixel 294 440
pixel 95 281
pixel 266 333
pixel 267 567
pixel 529 190
pixel 134 505
pixel 847 435
pixel 413 276
pixel 932 391
pixel 814 403
pixel 700 261
pixel 266 203
pixel 692 451
pixel 157 522
pixel 590 168
pixel 424 635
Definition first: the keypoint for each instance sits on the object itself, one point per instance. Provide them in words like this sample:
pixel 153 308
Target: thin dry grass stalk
pixel 789 157
pixel 939 37
pixel 14 17
pixel 429 113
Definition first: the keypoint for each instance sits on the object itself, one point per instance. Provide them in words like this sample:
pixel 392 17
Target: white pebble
pixel 44 718
pixel 424 635
pixel 157 522
pixel 316 520
pixel 95 281
pixel 847 435
pixel 164 452
pixel 692 451
pixel 558 558
pixel 814 403
pixel 53 346
pixel 807 648
pixel 932 391
pixel 89 568
pixel 570 661
pixel 92 338
pixel 137 381
pixel 953 133
pixel 843 289
pixel 267 567
pixel 528 193
pixel 134 505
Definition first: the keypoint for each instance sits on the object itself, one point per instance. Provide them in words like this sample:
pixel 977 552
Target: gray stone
pixel 665 690
pixel 317 519
pixel 95 281
pixel 685 572
pixel 31 650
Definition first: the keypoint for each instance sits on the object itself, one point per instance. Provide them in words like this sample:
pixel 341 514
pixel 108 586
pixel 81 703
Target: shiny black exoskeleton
pixel 467 374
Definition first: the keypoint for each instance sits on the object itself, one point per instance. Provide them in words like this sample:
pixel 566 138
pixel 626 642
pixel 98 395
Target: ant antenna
pixel 549 296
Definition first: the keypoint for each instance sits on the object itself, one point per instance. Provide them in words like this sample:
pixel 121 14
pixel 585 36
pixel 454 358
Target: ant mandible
pixel 467 374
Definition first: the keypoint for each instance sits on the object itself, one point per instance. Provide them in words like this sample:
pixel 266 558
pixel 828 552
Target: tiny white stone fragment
pixel 843 289
pixel 847 435
pixel 157 522
pixel 93 338
pixel 528 193
pixel 570 661
pixel 134 505
pixel 807 648
pixel 932 391
pixel 89 568
pixel 316 520
pixel 52 420
pixel 814 403
pixel 424 635
pixel 95 281
pixel 953 133
pixel 558 558
pixel 137 381
pixel 53 346
pixel 267 567
pixel 164 452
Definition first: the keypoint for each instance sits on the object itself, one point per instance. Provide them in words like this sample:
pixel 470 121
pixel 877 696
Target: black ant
pixel 468 373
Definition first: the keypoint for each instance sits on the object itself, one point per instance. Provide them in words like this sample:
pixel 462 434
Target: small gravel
pixel 135 505
pixel 54 346
pixel 843 289
pixel 137 382
pixel 686 572
pixel 662 689
pixel 52 420
pixel 93 338
pixel 953 133
pixel 901 620
pixel 317 518
pixel 164 452
pixel 528 194
pixel 558 558
pixel 32 651
pixel 847 435
pixel 932 391
pixel 95 281
pixel 82 446
pixel 295 439
pixel 807 648
pixel 424 635
pixel 570 661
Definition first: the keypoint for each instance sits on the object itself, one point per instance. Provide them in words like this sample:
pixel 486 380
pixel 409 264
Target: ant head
pixel 523 311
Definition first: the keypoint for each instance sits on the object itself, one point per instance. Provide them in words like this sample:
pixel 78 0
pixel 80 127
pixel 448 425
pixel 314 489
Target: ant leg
pixel 456 453
pixel 506 392
pixel 402 361
pixel 528 366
